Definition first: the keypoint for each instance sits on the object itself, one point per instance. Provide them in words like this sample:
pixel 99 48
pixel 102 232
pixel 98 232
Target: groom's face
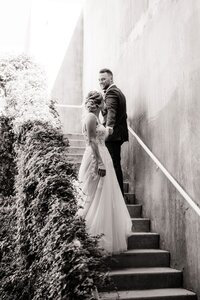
pixel 105 80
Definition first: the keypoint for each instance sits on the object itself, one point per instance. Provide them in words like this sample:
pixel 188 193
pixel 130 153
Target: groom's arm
pixel 111 104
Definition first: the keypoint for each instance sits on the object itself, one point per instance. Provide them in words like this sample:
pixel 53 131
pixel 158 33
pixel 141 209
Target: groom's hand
pixel 102 172
pixel 101 169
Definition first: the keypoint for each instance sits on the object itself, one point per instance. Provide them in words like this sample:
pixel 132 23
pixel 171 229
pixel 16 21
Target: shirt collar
pixel 109 87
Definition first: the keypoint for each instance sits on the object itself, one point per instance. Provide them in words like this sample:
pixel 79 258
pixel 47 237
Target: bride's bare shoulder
pixel 90 117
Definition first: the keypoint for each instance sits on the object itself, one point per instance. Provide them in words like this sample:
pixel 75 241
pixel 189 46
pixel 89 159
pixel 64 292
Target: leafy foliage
pixel 7 233
pixel 46 252
pixel 56 249
pixel 7 156
pixel 25 88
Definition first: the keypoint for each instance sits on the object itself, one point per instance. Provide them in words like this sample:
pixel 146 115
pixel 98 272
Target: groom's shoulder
pixel 114 90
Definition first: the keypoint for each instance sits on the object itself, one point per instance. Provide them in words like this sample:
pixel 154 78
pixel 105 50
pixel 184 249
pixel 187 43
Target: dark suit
pixel 115 116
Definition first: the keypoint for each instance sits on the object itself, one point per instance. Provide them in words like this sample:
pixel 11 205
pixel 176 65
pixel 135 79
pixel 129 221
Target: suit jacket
pixel 115 114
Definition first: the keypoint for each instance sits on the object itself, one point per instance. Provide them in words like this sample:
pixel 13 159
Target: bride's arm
pixel 91 131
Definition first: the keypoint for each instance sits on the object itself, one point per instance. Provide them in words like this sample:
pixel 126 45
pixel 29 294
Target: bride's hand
pixel 110 130
pixel 101 169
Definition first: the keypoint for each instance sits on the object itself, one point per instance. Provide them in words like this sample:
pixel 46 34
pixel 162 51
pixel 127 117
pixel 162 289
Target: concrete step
pixel 140 225
pixel 76 143
pixel 135 210
pixel 129 198
pixel 76 150
pixel 77 165
pixel 74 136
pixel 74 158
pixel 126 187
pixel 143 240
pixel 155 294
pixel 140 258
pixel 146 278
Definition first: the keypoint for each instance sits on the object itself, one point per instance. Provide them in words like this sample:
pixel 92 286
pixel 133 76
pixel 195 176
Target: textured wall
pixel 107 26
pixel 68 84
pixel 153 49
pixel 67 88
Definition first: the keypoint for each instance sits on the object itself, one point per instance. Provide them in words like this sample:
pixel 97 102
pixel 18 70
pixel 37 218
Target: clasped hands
pixel 101 169
pixel 109 129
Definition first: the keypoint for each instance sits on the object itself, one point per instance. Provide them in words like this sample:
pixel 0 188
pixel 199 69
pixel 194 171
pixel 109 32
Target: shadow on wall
pixel 129 150
pixel 138 120
pixel 67 88
pixel 68 84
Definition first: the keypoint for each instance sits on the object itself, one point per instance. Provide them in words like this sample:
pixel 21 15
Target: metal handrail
pixel 167 174
pixel 157 162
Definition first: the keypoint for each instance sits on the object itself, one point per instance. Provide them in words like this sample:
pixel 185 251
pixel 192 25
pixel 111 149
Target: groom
pixel 115 117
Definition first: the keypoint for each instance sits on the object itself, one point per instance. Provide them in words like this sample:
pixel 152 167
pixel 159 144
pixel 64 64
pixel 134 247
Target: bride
pixel 103 208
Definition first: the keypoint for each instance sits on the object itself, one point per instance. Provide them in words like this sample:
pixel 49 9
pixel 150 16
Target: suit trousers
pixel 114 148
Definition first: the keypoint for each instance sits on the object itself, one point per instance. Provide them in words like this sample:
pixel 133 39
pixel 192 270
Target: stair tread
pixel 74 154
pixel 74 135
pixel 74 139
pixel 140 219
pixel 144 233
pixel 136 251
pixel 148 294
pixel 128 193
pixel 74 147
pixel 144 271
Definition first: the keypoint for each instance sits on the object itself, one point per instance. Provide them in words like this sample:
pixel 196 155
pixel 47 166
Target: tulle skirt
pixel 103 205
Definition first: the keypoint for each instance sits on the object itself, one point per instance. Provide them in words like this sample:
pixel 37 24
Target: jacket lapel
pixel 110 87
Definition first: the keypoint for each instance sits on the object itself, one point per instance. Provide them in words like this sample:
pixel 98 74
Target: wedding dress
pixel 103 205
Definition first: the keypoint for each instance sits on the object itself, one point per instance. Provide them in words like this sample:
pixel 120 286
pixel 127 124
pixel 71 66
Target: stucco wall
pixel 153 49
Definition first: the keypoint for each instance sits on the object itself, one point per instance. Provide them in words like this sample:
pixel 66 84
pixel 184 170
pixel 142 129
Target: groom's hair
pixel 106 71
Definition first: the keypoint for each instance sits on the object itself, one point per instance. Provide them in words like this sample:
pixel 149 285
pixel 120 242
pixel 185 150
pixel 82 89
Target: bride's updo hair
pixel 93 101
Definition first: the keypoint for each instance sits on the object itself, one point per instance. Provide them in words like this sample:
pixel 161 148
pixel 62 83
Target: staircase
pixel 143 271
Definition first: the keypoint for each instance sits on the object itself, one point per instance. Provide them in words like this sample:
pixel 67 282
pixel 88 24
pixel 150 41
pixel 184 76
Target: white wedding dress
pixel 103 205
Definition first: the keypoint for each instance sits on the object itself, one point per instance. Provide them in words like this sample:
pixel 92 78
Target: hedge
pixel 46 252
pixel 56 256
pixel 7 156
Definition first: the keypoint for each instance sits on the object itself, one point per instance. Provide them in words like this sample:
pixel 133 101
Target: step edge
pixel 141 233
pixel 151 292
pixel 134 205
pixel 140 219
pixel 74 147
pixel 143 251
pixel 131 271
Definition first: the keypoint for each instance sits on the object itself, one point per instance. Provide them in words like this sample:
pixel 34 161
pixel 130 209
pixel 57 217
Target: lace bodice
pixel 100 135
